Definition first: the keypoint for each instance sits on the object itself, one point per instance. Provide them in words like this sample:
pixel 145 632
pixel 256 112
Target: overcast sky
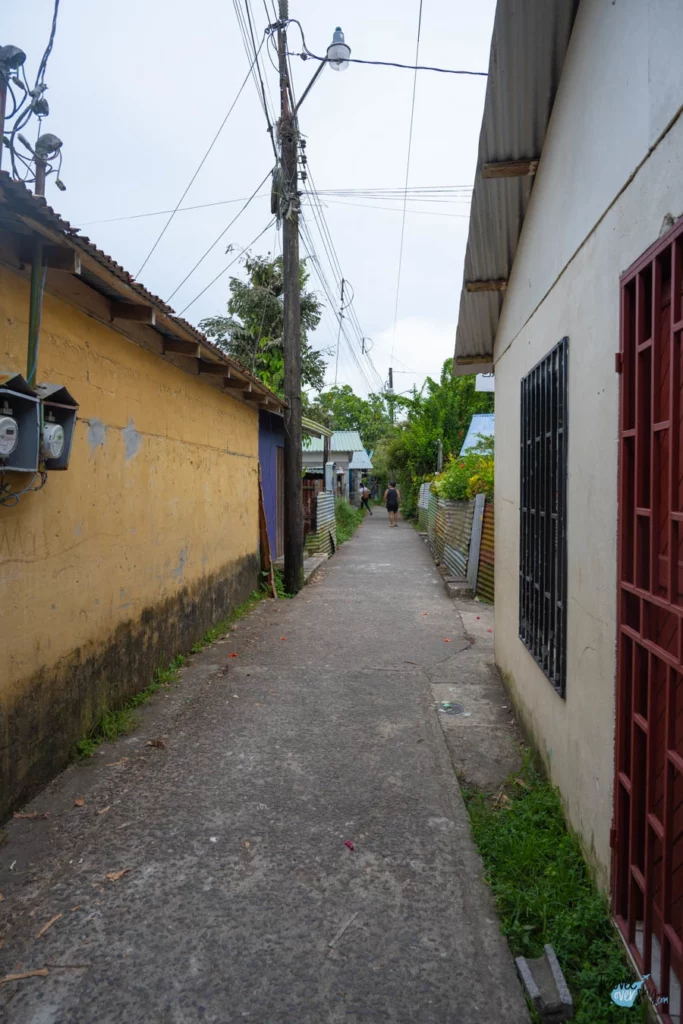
pixel 138 88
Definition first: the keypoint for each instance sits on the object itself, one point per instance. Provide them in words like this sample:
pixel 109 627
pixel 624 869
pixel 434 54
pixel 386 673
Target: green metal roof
pixel 341 441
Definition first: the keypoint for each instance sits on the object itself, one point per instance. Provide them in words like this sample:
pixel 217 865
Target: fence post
pixel 475 541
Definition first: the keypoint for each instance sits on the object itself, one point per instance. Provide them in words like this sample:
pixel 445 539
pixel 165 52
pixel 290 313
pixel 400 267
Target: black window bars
pixel 543 515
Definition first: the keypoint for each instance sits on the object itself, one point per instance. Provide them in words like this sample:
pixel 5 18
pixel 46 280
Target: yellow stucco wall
pixel 160 498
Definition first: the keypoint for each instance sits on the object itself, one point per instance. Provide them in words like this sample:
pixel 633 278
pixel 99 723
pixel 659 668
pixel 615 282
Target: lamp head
pixel 338 52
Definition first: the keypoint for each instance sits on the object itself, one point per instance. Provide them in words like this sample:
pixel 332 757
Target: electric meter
pixel 53 440
pixel 9 434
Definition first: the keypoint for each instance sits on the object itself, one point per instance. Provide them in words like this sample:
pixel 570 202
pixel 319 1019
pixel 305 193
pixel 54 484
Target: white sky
pixel 138 88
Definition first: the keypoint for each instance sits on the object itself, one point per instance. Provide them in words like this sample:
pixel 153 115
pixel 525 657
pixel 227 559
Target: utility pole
pixel 390 389
pixel 294 519
pixel 341 317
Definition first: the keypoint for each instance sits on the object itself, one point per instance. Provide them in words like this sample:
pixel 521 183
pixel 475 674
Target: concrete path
pixel 241 901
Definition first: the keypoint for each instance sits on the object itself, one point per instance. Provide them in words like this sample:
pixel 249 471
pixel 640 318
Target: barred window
pixel 543 515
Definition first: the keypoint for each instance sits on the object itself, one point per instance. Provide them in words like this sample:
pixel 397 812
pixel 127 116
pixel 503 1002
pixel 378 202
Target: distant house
pixel 573 293
pixel 482 426
pixel 271 448
pixel 350 459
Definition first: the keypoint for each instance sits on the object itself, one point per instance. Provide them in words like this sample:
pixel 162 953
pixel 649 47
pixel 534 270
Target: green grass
pixel 544 893
pixel 347 518
pixel 221 628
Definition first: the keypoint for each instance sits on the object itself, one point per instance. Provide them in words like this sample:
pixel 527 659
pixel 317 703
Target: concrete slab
pixel 232 836
pixel 311 564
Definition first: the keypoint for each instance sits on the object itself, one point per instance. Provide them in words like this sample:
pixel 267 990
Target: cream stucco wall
pixel 608 178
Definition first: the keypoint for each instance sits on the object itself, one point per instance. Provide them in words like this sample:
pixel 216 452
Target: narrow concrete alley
pixel 240 899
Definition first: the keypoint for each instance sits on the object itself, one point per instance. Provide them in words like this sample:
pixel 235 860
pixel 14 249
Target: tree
pixel 441 411
pixel 341 409
pixel 252 332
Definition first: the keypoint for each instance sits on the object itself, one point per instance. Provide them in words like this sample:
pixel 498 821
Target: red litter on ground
pixel 446 640
pixel 489 631
pixel 233 655
pixel 347 842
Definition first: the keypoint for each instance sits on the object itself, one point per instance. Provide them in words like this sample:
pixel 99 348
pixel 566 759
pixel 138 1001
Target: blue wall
pixel 271 435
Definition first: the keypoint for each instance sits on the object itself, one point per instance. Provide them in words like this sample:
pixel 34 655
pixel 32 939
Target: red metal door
pixel 647 875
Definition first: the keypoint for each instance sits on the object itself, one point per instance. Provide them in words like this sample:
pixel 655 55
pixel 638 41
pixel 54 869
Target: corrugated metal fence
pixel 486 574
pixel 423 506
pixel 324 540
pixel 462 538
pixel 449 525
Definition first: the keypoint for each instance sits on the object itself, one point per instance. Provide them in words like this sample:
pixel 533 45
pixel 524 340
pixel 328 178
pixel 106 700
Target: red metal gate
pixel 648 807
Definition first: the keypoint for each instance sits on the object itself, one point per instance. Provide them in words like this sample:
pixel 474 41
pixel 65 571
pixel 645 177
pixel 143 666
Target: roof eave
pixel 528 48
pixel 34 215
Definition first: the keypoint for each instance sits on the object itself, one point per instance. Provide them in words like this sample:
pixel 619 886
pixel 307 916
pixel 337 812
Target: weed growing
pixel 347 518
pixel 280 585
pixel 544 893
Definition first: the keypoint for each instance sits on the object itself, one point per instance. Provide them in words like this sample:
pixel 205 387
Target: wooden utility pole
pixel 294 517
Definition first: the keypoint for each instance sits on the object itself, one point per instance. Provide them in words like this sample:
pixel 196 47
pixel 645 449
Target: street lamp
pixel 338 52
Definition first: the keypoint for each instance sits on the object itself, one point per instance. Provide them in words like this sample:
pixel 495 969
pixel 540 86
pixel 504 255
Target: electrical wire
pixel 217 240
pixel 42 67
pixel 392 209
pixel 393 64
pixel 386 194
pixel 225 269
pixel 410 146
pixel 265 307
pixel 309 247
pixel 201 164
pixel 248 39
pixel 24 116
pixel 160 213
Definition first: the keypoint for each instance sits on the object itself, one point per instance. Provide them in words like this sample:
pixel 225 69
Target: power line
pixel 410 145
pixel 201 164
pixel 249 41
pixel 37 104
pixel 225 269
pixel 310 250
pixel 160 213
pixel 386 194
pixel 392 209
pixel 393 64
pixel 42 67
pixel 317 266
pixel 217 240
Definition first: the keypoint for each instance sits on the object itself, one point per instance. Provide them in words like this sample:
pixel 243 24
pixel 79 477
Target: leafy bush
pixel 467 475
pixel 348 519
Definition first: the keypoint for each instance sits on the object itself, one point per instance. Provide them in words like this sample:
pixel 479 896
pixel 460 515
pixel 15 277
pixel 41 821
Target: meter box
pixel 19 424
pixel 59 421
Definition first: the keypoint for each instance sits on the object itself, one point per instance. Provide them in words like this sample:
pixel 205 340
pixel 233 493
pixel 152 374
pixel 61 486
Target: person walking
pixel 392 497
pixel 365 497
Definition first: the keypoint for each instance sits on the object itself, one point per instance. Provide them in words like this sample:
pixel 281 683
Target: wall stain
pixel 180 567
pixel 51 710
pixel 97 434
pixel 132 440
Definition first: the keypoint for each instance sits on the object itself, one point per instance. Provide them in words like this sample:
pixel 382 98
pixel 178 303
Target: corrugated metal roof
pixel 34 212
pixel 482 425
pixel 528 47
pixel 341 441
pixel 360 460
pixel 314 429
